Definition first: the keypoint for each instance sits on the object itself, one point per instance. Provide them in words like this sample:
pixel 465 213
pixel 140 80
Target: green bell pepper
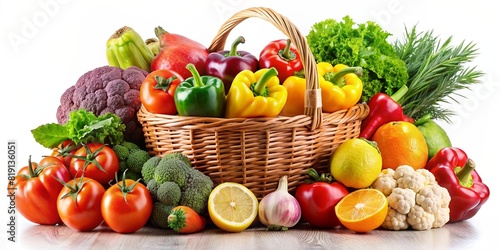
pixel 200 95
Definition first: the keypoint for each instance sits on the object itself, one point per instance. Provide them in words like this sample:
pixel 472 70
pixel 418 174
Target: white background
pixel 46 45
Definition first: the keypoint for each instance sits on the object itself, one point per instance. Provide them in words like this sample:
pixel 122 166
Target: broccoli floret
pixel 160 214
pixel 152 186
pixel 136 159
pixel 131 158
pixel 130 145
pixel 122 168
pixel 171 169
pixel 179 156
pixel 148 168
pixel 121 151
pixel 194 185
pixel 197 191
pixel 168 193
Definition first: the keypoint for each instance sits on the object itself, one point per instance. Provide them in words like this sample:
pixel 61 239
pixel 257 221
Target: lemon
pixel 356 163
pixel 232 207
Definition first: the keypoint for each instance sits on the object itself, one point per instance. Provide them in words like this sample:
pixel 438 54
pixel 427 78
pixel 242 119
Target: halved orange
pixel 362 210
pixel 232 207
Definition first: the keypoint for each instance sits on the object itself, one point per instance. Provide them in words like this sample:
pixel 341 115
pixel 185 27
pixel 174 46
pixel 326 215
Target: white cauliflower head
pixel 432 198
pixel 406 177
pixel 419 219
pixel 441 217
pixel 395 220
pixel 429 177
pixel 385 181
pixel 415 199
pixel 401 199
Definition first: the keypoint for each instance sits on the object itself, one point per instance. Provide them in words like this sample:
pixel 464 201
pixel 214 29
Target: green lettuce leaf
pixel 82 127
pixel 50 135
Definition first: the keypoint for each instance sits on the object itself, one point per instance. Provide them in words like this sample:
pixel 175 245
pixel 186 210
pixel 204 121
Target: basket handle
pixel 312 103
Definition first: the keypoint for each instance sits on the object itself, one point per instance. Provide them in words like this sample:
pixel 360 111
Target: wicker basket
pixel 257 152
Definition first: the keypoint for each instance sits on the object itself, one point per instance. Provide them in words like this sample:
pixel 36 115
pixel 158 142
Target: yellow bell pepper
pixel 256 94
pixel 296 88
pixel 341 88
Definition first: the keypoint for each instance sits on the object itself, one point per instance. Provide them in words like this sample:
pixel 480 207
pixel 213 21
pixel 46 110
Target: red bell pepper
pixel 318 197
pixel 226 64
pixel 456 172
pixel 383 109
pixel 283 56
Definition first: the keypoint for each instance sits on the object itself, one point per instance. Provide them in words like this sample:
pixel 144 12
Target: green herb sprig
pixel 437 71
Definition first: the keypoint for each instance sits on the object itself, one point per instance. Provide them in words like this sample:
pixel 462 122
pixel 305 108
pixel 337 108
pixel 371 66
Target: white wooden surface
pixel 476 233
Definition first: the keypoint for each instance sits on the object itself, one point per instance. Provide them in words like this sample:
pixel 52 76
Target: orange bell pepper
pixel 296 88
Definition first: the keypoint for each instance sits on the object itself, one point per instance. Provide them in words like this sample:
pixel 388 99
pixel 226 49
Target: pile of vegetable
pixel 93 175
pixel 99 171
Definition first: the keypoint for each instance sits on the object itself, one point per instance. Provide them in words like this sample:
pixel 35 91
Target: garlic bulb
pixel 279 210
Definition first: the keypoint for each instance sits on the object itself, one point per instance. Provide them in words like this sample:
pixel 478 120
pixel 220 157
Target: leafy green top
pixel 363 45
pixel 82 127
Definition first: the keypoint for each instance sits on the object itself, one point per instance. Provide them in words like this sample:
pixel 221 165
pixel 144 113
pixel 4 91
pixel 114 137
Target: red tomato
pixel 36 189
pixel 96 161
pixel 157 91
pixel 126 206
pixel 64 151
pixel 79 204
pixel 317 201
pixel 49 160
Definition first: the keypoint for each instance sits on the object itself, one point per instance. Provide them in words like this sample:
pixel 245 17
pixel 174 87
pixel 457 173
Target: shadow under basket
pixel 257 152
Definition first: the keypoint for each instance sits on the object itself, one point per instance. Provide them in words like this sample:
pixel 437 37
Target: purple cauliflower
pixel 108 89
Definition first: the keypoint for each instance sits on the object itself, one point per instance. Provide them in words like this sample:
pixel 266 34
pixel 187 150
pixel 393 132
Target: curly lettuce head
pixel 363 45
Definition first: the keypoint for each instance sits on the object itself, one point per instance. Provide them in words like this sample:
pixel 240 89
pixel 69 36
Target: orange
pixel 401 143
pixel 232 207
pixel 362 210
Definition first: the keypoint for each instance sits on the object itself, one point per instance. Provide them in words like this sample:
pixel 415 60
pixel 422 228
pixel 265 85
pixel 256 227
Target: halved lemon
pixel 362 210
pixel 232 207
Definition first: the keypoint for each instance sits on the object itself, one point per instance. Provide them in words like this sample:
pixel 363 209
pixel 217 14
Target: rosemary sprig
pixel 437 71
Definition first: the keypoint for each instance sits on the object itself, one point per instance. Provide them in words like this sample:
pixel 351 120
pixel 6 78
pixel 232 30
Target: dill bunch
pixel 437 71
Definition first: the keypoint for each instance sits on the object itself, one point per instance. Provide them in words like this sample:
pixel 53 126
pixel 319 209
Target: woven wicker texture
pixel 257 152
